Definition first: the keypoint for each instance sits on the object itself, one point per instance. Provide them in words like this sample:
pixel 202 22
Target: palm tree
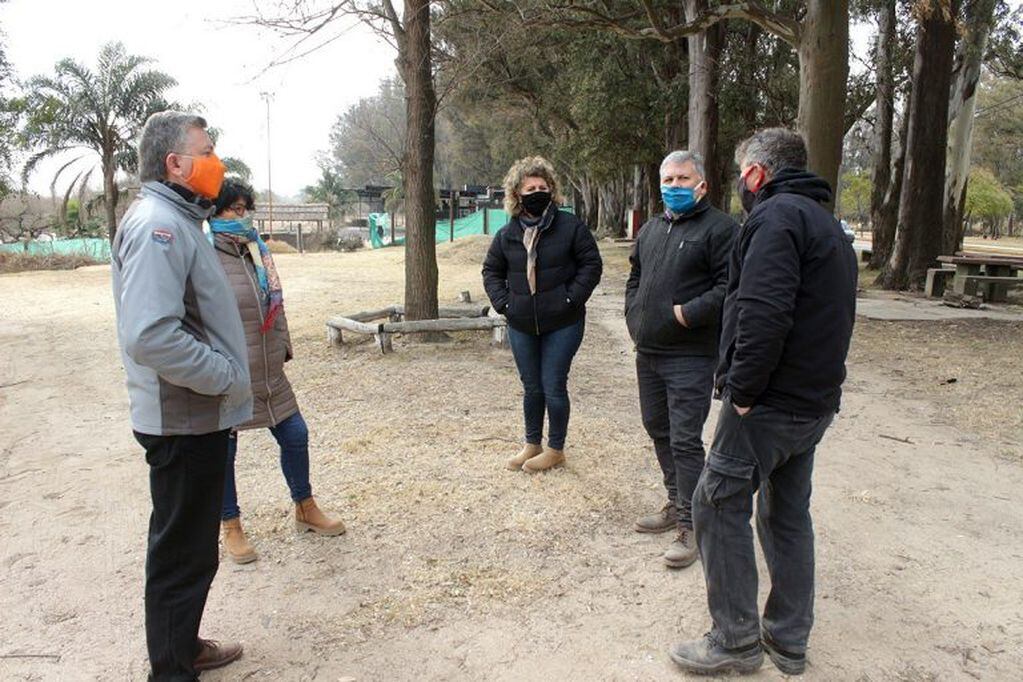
pixel 97 116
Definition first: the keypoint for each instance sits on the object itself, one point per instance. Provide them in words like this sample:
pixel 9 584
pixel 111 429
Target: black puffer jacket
pixel 679 262
pixel 568 268
pixel 791 301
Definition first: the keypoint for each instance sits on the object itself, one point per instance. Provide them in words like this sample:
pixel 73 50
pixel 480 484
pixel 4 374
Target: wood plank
pixel 442 325
pixel 370 315
pixel 454 311
pixel 353 325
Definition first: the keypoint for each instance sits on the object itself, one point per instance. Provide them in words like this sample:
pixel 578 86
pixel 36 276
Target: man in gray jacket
pixel 184 354
pixel 673 310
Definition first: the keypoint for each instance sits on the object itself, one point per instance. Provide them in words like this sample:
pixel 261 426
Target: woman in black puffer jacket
pixel 539 272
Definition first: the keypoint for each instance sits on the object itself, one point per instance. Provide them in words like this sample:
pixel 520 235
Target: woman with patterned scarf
pixel 250 269
pixel 539 272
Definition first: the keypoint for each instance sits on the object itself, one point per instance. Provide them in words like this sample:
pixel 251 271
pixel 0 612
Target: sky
pixel 219 64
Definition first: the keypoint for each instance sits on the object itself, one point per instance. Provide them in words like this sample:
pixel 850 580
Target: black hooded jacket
pixel 791 301
pixel 568 269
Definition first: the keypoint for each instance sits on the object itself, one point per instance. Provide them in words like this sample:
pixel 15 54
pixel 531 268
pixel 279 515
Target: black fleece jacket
pixel 679 262
pixel 791 301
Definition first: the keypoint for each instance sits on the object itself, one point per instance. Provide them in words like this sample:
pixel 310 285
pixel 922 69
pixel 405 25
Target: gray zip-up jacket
pixel 181 336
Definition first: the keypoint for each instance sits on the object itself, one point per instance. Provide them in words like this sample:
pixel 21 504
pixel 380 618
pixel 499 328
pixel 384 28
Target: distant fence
pixel 95 248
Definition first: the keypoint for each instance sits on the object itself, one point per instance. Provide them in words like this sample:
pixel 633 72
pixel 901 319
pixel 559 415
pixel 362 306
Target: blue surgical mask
pixel 678 199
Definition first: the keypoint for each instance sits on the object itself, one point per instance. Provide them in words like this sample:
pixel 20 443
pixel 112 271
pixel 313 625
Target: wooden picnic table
pixel 994 274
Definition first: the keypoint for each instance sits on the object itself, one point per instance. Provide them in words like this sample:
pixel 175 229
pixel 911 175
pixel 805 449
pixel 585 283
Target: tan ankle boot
pixel 236 545
pixel 548 459
pixel 309 517
pixel 529 450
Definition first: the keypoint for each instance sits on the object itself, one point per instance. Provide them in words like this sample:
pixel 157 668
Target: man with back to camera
pixel 788 319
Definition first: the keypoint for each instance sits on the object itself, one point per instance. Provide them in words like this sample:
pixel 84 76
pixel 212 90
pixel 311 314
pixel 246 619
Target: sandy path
pixel 454 568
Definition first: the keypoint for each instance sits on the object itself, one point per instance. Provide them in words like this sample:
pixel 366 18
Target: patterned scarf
pixel 242 233
pixel 531 229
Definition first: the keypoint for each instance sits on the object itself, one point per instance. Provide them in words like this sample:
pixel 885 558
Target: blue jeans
pixel 543 362
pixel 293 436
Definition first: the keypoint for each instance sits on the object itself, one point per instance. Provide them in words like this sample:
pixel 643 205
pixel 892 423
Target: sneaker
pixel 658 522
pixel 683 551
pixel 215 655
pixel 706 657
pixel 786 661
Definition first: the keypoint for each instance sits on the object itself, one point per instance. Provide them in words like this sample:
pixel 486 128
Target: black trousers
pixel 674 399
pixel 186 482
pixel 769 453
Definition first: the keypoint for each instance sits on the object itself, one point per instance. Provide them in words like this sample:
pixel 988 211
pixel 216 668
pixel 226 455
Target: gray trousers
pixel 674 400
pixel 771 451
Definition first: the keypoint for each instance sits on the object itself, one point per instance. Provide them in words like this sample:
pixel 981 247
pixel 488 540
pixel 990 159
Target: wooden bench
pixel 999 286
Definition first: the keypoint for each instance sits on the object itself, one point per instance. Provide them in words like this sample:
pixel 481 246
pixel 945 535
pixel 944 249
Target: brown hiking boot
pixel 236 545
pixel 658 522
pixel 529 451
pixel 309 517
pixel 215 655
pixel 548 459
pixel 682 552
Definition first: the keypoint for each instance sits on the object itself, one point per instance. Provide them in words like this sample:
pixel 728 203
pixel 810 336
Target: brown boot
pixel 309 517
pixel 215 655
pixel 529 451
pixel 548 459
pixel 683 551
pixel 236 545
pixel 658 522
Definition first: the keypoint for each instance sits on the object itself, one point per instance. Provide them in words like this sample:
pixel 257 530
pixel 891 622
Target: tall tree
pixel 820 37
pixel 884 119
pixel 704 77
pixel 410 34
pixel 93 116
pixel 919 232
pixel 980 15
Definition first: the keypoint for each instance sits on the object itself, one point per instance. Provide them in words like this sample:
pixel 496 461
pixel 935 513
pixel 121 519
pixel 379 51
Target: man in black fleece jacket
pixel 788 318
pixel 673 311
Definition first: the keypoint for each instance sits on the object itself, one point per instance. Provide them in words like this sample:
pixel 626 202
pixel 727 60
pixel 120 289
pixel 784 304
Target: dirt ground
pixel 455 569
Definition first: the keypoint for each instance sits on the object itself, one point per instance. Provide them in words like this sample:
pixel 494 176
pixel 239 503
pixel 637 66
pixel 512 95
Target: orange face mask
pixel 207 175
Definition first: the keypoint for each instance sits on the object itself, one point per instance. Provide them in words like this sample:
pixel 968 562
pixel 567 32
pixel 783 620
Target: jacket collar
pixel 701 206
pixel 196 209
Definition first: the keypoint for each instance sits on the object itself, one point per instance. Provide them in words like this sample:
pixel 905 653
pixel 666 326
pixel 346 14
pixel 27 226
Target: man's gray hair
pixel 774 149
pixel 165 132
pixel 684 156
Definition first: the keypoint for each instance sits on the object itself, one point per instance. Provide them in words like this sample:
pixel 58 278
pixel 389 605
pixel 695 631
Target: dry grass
pixel 970 368
pixel 277 246
pixel 23 262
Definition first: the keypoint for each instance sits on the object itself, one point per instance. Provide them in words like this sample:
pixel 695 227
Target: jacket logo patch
pixel 163 236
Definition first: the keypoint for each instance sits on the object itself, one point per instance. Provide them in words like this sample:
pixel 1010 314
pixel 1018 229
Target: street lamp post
pixel 267 96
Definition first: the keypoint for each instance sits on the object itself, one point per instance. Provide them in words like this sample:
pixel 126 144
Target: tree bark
pixel 704 75
pixel 421 107
pixel 109 196
pixel 962 108
pixel 888 212
pixel 823 73
pixel 919 231
pixel 885 108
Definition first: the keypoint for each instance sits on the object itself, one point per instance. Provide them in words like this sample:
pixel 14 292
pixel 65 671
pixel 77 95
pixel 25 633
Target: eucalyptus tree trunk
pixel 962 108
pixel 885 107
pixel 704 77
pixel 919 231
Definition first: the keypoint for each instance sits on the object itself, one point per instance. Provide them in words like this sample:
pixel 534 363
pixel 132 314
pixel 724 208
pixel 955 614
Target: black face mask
pixel 747 197
pixel 536 203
